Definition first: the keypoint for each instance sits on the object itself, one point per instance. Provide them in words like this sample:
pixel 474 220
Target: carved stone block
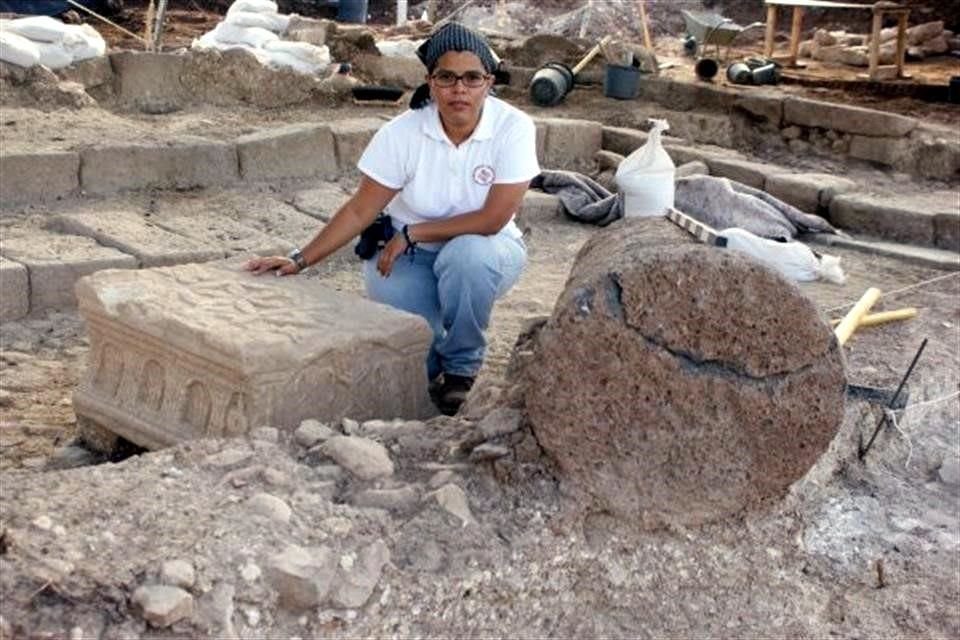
pixel 211 350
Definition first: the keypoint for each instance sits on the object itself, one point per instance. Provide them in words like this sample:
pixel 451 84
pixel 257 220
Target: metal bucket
pixel 621 82
pixel 706 68
pixel 767 74
pixel 740 73
pixel 550 84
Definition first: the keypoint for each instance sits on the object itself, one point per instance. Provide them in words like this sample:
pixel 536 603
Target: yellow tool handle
pixel 590 55
pixel 873 319
pixel 850 321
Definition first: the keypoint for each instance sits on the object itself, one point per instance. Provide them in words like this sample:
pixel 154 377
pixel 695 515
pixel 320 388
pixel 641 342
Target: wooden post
pixel 901 42
pixel 771 30
pixel 872 72
pixel 647 41
pixel 795 28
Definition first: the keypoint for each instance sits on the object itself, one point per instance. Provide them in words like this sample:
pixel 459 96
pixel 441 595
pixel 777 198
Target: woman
pixel 451 173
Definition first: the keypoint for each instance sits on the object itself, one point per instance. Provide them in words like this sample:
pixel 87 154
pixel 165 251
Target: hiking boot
pixel 453 393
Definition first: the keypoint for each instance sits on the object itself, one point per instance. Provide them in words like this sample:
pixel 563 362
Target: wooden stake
pixel 850 321
pixel 647 41
pixel 591 54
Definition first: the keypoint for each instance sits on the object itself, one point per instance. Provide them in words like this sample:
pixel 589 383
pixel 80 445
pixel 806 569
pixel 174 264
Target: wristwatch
pixel 298 259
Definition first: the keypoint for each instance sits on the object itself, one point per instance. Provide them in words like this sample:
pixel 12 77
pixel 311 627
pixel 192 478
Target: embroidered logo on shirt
pixel 484 174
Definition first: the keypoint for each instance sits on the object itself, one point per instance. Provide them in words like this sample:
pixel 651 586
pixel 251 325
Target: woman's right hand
pixel 280 265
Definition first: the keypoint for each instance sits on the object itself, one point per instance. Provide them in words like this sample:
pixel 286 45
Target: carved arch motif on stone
pixel 197 406
pixel 109 373
pixel 152 386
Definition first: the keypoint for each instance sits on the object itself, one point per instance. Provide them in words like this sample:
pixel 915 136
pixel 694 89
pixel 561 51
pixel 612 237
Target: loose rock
pixel 302 576
pixel 163 605
pixel 363 458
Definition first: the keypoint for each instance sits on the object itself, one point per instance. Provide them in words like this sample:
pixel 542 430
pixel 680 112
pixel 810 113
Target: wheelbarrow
pixel 712 28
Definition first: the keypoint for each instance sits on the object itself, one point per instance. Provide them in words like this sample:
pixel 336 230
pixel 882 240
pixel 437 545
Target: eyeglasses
pixel 447 79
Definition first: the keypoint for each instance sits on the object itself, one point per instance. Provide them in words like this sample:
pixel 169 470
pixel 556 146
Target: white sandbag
pixel 311 54
pixel 251 19
pixel 254 36
pixel 794 260
pixel 253 6
pixel 53 55
pixel 18 50
pixel 38 28
pixel 281 59
pixel 83 41
pixel 646 177
pixel 399 48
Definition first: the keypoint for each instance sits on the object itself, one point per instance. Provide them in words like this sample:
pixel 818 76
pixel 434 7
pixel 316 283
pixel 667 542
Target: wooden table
pixel 876 71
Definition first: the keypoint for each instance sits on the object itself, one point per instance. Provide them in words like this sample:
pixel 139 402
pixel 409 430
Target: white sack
pixel 38 28
pixel 281 59
pixel 83 41
pixel 254 36
pixel 18 50
pixel 305 51
pixel 399 48
pixel 53 55
pixel 253 6
pixel 794 260
pixel 646 177
pixel 271 22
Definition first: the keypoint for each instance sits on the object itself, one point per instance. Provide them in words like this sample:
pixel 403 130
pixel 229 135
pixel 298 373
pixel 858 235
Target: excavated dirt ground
pixel 857 549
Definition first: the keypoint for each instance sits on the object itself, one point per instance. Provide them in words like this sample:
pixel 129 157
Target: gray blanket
pixel 722 203
pixel 581 197
pixel 716 202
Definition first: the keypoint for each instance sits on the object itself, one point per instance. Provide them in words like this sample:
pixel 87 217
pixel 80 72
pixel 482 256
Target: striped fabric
pixel 697 229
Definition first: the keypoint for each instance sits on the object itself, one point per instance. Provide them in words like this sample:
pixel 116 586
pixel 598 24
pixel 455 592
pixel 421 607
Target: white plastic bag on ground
pixel 270 21
pixel 18 50
pixel 646 177
pixel 794 260
pixel 83 41
pixel 37 28
pixel 399 48
pixel 53 55
pixel 282 59
pixel 312 54
pixel 253 6
pixel 254 36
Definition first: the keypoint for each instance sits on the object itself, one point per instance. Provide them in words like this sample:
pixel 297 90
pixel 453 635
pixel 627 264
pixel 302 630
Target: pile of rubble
pixel 923 40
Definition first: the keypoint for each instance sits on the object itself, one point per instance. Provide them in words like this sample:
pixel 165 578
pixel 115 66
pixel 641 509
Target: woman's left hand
pixel 389 254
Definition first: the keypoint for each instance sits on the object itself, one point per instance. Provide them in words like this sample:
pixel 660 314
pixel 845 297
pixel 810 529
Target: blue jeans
pixel 453 289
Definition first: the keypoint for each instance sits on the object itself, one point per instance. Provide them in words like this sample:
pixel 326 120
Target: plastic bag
pixel 83 41
pixel 253 6
pixel 270 21
pixel 254 36
pixel 794 260
pixel 646 177
pixel 18 50
pixel 53 55
pixel 312 54
pixel 37 28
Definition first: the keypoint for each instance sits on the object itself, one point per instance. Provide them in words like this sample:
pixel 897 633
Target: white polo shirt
pixel 439 180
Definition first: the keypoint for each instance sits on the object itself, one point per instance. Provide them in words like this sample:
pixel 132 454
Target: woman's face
pixel 459 103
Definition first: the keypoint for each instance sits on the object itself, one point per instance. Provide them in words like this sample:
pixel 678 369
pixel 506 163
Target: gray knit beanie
pixel 452 36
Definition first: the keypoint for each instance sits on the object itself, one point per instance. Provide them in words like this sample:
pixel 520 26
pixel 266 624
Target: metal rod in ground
pixel 158 27
pixel 893 400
